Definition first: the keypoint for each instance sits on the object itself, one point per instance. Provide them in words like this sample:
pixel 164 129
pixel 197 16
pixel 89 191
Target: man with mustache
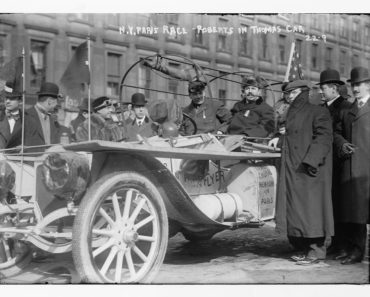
pixel 352 143
pixel 252 116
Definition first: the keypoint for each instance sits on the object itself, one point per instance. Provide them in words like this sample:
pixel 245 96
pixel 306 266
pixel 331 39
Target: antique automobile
pixel 114 205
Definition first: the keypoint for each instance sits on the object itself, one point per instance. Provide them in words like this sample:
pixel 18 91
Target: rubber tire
pixel 18 266
pixel 84 216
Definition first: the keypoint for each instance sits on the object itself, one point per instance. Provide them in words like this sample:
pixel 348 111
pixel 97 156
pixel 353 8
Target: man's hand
pixel 273 142
pixel 348 148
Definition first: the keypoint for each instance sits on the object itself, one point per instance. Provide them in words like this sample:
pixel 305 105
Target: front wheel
pixel 120 232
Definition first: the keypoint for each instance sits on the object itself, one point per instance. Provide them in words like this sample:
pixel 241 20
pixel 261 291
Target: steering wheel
pixel 188 125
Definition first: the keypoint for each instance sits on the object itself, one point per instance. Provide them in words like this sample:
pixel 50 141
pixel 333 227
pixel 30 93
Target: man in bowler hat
pixel 141 125
pixel 303 204
pixel 331 88
pixel 83 114
pixel 352 143
pixel 47 128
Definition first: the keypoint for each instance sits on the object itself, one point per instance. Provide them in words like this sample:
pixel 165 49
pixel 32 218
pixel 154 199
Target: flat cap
pixel 254 81
pixel 297 84
pixel 196 86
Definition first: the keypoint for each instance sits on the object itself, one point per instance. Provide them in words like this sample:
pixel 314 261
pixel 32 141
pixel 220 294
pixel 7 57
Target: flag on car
pixel 294 71
pixel 76 76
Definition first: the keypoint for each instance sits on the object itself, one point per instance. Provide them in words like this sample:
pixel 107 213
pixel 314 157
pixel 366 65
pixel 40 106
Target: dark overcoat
pixel 210 117
pixel 147 129
pixel 304 205
pixel 354 127
pixel 254 119
pixel 335 108
pixel 35 136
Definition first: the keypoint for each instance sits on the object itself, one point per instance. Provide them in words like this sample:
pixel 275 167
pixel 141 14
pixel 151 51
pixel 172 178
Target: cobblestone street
pixel 245 256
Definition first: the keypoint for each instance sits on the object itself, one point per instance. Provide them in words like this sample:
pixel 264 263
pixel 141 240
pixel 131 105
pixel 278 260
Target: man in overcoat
pixel 304 206
pixel 330 85
pixel 47 129
pixel 10 118
pixel 352 142
pixel 252 116
pixel 141 125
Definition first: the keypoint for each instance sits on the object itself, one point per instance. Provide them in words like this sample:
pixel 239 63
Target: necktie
pixel 360 103
pixel 12 115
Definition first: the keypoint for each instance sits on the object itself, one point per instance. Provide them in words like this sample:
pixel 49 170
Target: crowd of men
pixel 324 184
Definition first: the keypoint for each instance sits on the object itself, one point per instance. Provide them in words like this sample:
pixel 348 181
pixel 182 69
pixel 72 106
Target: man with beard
pixel 252 116
pixel 352 141
pixel 303 205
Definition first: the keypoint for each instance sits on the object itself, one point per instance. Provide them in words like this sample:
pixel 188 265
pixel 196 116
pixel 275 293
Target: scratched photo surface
pixel 191 209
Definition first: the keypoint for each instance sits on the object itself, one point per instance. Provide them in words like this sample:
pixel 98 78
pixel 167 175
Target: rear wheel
pixel 120 232
pixel 14 256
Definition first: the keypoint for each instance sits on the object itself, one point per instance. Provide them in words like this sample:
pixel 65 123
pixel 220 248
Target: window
pixel 314 56
pixel 329 22
pixel 355 60
pixel 298 47
pixel 222 86
pixel 243 39
pixel 113 74
pixel 145 80
pixel 315 20
pixel 264 54
pixel 113 19
pixel 342 27
pixel 282 49
pixel 343 59
pixel 356 32
pixel 328 57
pixel 2 50
pixel 222 39
pixel 173 21
pixel 367 34
pixel 38 62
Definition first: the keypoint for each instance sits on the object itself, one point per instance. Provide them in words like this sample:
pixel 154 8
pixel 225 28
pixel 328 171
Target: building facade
pixel 244 43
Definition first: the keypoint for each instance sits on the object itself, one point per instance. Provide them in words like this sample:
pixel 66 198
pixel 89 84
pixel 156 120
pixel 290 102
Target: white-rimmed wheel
pixel 120 232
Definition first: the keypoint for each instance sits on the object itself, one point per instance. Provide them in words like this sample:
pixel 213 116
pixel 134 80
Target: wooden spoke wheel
pixel 121 230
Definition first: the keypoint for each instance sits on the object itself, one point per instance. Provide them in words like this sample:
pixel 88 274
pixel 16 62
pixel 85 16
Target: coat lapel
pixel 364 110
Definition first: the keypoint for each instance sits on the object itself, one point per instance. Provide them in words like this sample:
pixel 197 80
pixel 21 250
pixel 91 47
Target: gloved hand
pixel 273 142
pixel 311 171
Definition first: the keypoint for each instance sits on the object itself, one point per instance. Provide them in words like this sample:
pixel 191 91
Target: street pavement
pixel 244 256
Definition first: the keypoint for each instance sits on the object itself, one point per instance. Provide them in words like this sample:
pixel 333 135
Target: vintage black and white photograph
pixel 184 148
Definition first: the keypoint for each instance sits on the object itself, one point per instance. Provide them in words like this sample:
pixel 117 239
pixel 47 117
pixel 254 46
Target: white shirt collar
pixel 332 100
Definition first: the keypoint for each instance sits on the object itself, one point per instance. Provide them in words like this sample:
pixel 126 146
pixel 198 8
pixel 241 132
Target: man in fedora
pixel 47 128
pixel 331 86
pixel 303 204
pixel 252 116
pixel 102 125
pixel 10 118
pixel 352 142
pixel 141 125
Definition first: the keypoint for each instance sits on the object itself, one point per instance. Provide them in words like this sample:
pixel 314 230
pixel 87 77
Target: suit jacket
pixel 147 129
pixel 35 136
pixel 7 139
